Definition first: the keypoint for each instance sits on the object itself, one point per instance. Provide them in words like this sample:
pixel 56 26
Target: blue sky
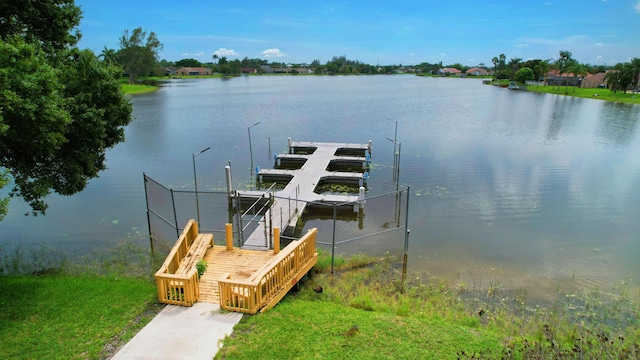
pixel 374 32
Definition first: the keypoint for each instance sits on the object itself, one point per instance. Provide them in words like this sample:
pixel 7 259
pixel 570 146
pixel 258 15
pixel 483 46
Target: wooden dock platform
pixel 316 158
pixel 238 279
pixel 239 263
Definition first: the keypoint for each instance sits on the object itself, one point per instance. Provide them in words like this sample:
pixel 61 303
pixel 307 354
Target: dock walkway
pixel 289 203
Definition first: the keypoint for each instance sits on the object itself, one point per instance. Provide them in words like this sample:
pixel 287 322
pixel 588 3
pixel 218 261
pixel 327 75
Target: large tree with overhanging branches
pixel 60 107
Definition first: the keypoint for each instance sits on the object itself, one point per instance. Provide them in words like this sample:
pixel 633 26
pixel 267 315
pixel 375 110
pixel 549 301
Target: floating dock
pixel 317 163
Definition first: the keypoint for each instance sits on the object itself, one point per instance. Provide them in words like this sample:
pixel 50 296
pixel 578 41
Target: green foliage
pixel 62 108
pixel 201 267
pixel 188 63
pixel 138 52
pixel 524 74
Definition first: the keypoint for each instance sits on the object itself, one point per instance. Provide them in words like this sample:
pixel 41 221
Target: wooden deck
pixel 238 279
pixel 240 263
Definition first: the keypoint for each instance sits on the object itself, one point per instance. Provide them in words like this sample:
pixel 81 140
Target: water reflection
pixel 531 189
pixel 618 123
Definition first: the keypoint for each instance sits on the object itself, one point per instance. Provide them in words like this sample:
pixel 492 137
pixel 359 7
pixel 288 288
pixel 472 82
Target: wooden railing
pixel 179 285
pixel 272 281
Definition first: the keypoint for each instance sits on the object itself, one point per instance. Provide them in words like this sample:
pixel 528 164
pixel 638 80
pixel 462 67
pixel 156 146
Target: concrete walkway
pixel 179 332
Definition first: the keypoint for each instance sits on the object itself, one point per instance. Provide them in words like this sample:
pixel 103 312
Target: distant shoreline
pixel 590 93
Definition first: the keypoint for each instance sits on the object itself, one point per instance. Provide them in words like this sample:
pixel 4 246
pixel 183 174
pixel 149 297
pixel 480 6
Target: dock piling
pixel 229 235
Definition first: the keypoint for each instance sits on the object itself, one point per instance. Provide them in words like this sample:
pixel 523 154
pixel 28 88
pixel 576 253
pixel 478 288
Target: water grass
pixel 426 317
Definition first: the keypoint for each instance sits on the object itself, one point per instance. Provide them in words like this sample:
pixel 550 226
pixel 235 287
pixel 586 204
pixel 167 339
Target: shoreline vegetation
pixel 90 307
pixel 588 93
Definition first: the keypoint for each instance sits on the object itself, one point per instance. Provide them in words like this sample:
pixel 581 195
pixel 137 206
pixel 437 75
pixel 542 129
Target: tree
pixel 632 69
pixel 110 56
pixel 214 58
pixel 137 55
pixel 613 80
pixel 514 66
pixel 577 70
pixel 524 74
pixel 188 63
pixel 61 106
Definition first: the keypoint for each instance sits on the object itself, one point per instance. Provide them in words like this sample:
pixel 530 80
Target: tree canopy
pixel 138 52
pixel 61 106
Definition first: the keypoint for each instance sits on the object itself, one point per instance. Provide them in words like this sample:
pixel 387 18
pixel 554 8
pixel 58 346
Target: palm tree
pixel 578 70
pixel 109 56
pixel 633 70
pixel 214 58
pixel 613 80
pixel 514 65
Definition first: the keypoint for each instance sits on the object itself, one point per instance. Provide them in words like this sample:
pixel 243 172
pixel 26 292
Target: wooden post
pixel 229 236
pixel 276 239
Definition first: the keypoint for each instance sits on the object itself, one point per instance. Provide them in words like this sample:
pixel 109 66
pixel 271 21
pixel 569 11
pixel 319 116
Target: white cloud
pixel 184 54
pixel 273 53
pixel 599 44
pixel 201 53
pixel 225 52
pixel 547 4
pixel 637 7
pixel 443 55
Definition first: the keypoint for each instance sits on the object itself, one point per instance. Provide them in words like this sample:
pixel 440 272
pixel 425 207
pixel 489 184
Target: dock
pixel 256 276
pixel 314 160
pixel 239 280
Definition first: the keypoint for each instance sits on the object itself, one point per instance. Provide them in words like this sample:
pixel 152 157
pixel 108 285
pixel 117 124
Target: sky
pixel 374 32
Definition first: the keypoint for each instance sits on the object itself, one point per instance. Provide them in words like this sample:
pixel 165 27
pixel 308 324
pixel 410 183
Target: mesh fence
pixel 374 226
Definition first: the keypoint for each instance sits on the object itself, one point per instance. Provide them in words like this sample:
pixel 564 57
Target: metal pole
pixel 175 215
pixel 398 170
pixel 146 199
pixel 406 237
pixel 251 152
pixel 333 241
pixel 195 180
pixel 395 142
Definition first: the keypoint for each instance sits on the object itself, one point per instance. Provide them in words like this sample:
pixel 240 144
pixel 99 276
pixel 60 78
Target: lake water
pixel 524 189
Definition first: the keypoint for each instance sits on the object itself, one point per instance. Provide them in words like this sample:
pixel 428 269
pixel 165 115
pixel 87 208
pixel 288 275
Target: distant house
pixel 476 71
pixel 199 71
pixel 303 70
pixel 554 78
pixel 248 70
pixel 266 69
pixel 449 71
pixel 593 80
pixel 170 71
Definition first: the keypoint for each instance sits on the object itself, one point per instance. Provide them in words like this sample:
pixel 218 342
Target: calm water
pixel 528 190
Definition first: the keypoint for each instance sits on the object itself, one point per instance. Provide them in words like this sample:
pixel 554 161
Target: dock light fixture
pixel 195 180
pixel 251 151
pixel 397 162
pixel 395 142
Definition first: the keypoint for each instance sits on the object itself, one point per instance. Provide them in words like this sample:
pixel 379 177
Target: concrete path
pixel 179 332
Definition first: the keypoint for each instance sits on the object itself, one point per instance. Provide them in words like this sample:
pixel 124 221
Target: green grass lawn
pixel 70 317
pixel 133 89
pixel 600 94
pixel 427 318
pixel 317 329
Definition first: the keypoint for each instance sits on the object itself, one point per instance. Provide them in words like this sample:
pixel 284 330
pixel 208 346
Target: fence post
pixel 276 239
pixel 406 238
pixel 146 199
pixel 175 214
pixel 333 241
pixel 229 235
